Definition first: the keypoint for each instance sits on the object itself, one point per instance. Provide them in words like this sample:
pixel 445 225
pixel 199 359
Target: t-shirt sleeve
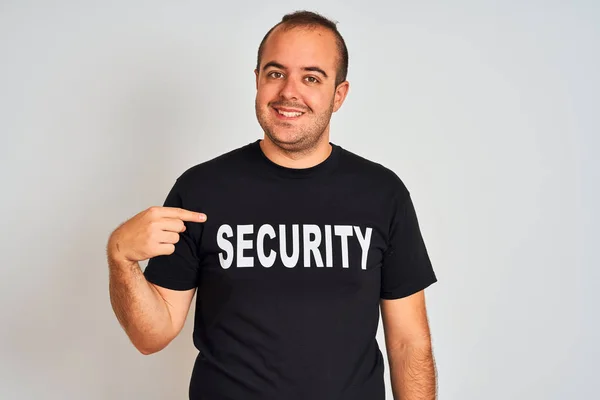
pixel 406 266
pixel 179 270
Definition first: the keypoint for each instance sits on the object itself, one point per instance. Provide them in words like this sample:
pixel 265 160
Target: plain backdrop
pixel 487 110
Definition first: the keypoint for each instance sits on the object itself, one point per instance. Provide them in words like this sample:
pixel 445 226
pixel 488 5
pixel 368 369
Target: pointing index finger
pixel 185 215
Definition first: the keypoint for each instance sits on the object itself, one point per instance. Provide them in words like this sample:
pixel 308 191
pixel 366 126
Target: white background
pixel 487 110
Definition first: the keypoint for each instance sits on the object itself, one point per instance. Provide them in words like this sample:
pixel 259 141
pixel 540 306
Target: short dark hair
pixel 312 20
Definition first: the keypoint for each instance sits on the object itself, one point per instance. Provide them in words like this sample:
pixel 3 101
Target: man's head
pixel 300 79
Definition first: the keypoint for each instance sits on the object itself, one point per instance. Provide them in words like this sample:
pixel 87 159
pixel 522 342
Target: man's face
pixel 295 83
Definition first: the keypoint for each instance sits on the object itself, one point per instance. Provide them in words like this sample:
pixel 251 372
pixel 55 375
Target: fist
pixel 150 233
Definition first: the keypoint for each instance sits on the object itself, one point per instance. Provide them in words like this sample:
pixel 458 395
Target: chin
pixel 286 139
pixel 292 141
pixel 287 136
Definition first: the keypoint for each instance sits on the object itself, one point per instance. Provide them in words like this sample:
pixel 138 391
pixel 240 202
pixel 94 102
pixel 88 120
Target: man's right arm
pixel 152 316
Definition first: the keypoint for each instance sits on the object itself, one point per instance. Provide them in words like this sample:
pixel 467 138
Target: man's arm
pixel 408 344
pixel 150 315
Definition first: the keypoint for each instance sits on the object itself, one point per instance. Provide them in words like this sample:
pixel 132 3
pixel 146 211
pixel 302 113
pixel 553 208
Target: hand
pixel 150 233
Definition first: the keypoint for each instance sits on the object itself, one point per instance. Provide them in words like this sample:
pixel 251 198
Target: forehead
pixel 301 46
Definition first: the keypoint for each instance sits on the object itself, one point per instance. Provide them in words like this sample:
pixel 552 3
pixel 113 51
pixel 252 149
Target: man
pixel 303 242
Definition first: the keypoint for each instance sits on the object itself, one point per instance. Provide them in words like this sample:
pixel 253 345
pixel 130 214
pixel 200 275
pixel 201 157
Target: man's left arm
pixel 408 343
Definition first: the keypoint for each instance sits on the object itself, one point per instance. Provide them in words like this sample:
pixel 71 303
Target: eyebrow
pixel 275 64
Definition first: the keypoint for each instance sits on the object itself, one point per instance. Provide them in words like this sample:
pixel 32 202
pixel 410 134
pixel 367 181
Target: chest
pixel 297 238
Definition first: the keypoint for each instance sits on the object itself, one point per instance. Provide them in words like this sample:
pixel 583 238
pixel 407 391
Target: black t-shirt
pixel 290 267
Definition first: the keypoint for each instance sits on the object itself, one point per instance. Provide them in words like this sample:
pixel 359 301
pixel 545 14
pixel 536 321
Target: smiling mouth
pixel 288 114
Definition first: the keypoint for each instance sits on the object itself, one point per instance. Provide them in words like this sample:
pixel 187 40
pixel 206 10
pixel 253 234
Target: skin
pixel 297 73
pixel 152 316
pixel 408 343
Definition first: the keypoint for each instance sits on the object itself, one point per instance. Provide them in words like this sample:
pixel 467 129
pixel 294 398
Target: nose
pixel 289 89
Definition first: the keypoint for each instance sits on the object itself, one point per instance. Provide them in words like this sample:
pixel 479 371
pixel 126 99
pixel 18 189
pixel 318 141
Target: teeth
pixel 289 114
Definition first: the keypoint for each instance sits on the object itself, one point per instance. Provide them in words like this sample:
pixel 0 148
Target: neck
pixel 304 158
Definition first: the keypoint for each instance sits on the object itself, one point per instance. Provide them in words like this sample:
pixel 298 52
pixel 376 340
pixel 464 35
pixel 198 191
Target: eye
pixel 275 74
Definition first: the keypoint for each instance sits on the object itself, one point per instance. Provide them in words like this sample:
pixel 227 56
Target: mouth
pixel 287 114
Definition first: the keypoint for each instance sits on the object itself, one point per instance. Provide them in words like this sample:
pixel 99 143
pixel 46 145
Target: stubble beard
pixel 303 139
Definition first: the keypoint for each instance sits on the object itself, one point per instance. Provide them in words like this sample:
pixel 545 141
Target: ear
pixel 340 95
pixel 256 73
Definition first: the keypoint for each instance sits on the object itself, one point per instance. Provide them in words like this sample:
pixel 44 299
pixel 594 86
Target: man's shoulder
pixel 231 160
pixel 373 171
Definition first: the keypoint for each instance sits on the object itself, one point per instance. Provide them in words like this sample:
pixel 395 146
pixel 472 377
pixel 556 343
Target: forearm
pixel 412 372
pixel 140 309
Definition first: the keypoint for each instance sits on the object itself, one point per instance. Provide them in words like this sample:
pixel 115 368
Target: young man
pixel 304 241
